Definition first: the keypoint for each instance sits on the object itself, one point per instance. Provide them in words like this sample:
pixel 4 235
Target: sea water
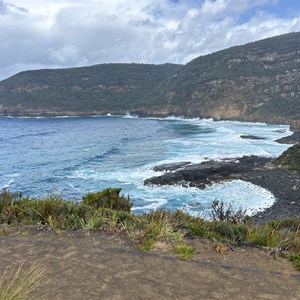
pixel 76 155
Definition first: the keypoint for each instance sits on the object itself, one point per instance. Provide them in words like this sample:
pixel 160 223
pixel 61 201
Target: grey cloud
pixel 77 36
pixel 18 8
pixel 3 8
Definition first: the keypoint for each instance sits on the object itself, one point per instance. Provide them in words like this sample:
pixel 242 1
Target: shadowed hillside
pixel 97 89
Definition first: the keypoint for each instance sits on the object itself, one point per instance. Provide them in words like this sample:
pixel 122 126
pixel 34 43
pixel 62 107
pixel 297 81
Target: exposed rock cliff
pixel 255 82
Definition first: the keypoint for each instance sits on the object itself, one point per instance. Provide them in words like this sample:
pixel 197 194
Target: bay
pixel 75 155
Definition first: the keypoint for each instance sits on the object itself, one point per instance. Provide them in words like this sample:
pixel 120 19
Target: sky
pixel 38 34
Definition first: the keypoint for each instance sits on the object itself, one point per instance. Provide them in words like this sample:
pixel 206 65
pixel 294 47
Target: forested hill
pixel 258 81
pixel 104 88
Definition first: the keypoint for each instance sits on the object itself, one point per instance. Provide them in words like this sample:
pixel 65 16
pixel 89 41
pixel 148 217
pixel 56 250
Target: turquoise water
pixel 80 154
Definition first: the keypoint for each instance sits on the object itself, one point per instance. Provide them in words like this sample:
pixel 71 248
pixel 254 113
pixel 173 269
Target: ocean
pixel 76 155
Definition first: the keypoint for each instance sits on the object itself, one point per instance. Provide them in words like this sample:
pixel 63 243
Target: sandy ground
pixel 102 266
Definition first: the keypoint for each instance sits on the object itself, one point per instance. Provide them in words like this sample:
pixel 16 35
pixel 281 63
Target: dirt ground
pixel 102 266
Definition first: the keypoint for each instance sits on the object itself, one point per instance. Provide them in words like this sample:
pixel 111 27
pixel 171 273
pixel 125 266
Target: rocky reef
pixel 206 173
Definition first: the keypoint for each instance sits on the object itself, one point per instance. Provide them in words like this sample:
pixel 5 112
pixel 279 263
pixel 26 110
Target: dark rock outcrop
pixel 170 167
pixel 206 173
pixel 291 139
pixel 252 137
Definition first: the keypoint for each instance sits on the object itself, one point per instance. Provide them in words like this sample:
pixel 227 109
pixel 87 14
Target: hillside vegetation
pixel 87 90
pixel 290 159
pixel 259 81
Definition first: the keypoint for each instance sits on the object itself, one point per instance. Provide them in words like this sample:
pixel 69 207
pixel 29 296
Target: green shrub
pixel 7 198
pixel 197 227
pixel 289 159
pixel 8 202
pixel 147 245
pixel 236 233
pixel 107 198
pixel 295 258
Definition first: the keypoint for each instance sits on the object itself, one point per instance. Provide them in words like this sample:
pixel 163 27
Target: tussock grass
pixel 184 251
pixel 19 281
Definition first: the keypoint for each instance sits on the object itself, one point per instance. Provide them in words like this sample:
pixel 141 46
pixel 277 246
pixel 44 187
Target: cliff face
pixel 255 82
pixel 258 81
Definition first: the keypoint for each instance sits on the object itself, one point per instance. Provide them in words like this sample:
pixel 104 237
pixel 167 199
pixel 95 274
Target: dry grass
pixel 19 281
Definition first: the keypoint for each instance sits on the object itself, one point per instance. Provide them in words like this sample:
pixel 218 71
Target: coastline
pixel 284 185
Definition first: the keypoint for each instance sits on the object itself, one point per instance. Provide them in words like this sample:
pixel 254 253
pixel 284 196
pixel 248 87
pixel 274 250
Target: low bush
pixel 198 227
pixel 222 211
pixel 295 258
pixel 108 198
pixel 265 236
pixel 289 159
pixel 236 233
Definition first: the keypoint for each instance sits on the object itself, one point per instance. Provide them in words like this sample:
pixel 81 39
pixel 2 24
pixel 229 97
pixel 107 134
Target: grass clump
pixel 291 224
pixel 184 251
pixel 18 282
pixel 156 226
pixel 93 221
pixel 265 236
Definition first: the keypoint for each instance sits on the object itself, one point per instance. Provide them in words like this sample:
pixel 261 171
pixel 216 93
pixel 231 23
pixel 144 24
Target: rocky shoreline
pixel 284 185
pixel 291 139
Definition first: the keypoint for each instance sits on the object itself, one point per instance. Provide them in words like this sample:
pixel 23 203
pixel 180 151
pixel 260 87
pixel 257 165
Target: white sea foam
pixel 240 194
pixel 153 204
pixel 8 180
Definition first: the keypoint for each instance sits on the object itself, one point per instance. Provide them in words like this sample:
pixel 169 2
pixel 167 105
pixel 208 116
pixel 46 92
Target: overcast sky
pixel 39 34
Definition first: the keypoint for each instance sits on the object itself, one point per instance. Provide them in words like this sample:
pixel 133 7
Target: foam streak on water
pixel 77 155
